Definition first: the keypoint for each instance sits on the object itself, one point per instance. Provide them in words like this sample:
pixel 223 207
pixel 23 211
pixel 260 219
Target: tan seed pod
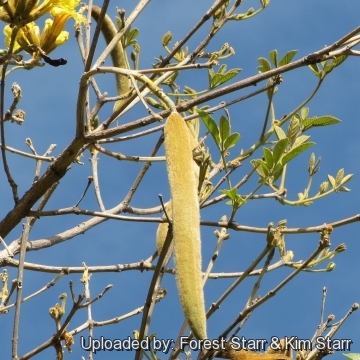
pixel 118 55
pixel 163 227
pixel 186 223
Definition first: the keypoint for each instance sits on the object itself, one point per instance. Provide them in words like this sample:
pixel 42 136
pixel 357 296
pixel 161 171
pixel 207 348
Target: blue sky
pixel 49 99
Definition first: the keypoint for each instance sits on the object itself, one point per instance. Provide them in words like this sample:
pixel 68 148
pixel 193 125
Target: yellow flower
pixel 51 37
pixel 53 34
pixel 56 7
pixel 22 12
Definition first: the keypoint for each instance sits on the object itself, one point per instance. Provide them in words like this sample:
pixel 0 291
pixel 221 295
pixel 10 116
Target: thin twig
pixel 23 243
pixel 133 100
pixel 251 81
pixel 323 305
pixel 209 13
pixel 90 180
pixel 206 65
pixel 164 208
pixel 154 287
pixel 261 276
pixel 270 97
pixel 273 292
pixel 255 289
pixel 119 156
pixel 90 302
pixel 31 156
pixel 88 30
pixel 189 117
pixel 10 179
pixel 138 266
pixel 44 201
pixel 90 223
pixel 50 284
pixel 90 50
pixel 6 247
pixel 314 353
pixel 142 172
pixel 80 229
pixel 146 106
pixel 57 336
pixel 94 166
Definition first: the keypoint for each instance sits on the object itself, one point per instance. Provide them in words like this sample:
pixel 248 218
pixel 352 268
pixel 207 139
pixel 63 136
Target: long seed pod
pixel 163 227
pixel 118 55
pixel 186 222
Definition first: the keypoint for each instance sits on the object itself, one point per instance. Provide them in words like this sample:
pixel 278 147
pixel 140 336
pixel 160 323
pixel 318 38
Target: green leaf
pixel 300 140
pixel 153 102
pixel 205 107
pixel 274 57
pixel 224 128
pixel 293 128
pixel 170 80
pixel 336 62
pixel 256 164
pixel 222 69
pixel 265 65
pixel 231 140
pixel 322 74
pixel 346 179
pixel 166 38
pixel 353 356
pixel 280 133
pixel 297 116
pixel 323 187
pixel 236 199
pixel 231 194
pixel 268 157
pixel 211 126
pixel 132 36
pixel 189 91
pixel 237 17
pixel 315 69
pixel 311 163
pixel 343 188
pixel 279 149
pixel 319 121
pixel 277 174
pixel 339 176
pixel 264 166
pixel 295 152
pixel 277 168
pixel 239 201
pixel 219 79
pixel 211 74
pixel 331 181
pixel 304 112
pixel 287 58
